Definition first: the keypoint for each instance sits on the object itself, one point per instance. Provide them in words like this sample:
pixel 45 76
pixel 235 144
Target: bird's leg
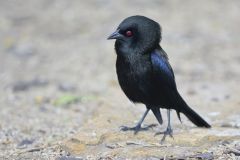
pixel 168 131
pixel 137 128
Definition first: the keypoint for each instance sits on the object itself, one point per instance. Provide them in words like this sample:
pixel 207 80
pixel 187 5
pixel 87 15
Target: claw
pixel 137 128
pixel 165 133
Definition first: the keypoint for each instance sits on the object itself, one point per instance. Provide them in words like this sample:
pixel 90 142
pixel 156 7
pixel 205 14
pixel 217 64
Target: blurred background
pixel 56 65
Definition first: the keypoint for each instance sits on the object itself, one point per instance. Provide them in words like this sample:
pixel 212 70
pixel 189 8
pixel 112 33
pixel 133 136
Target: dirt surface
pixel 59 97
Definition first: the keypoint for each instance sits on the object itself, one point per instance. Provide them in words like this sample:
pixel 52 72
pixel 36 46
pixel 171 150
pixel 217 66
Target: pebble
pixel 69 158
pixel 25 142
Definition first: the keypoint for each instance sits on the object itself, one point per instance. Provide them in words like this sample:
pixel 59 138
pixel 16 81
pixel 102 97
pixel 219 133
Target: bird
pixel 145 74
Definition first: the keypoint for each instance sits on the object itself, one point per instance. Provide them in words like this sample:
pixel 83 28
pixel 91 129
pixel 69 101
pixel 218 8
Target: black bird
pixel 145 74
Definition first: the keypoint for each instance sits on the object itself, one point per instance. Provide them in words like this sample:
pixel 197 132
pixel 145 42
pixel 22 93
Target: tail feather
pixel 191 114
pixel 157 113
pixel 179 117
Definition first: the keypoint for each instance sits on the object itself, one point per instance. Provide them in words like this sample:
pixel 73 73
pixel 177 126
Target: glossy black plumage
pixel 144 72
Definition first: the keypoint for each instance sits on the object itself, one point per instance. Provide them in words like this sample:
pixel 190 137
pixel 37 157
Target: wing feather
pixel 162 70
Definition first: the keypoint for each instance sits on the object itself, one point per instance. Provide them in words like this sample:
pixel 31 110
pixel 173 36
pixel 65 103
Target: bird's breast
pixel 134 76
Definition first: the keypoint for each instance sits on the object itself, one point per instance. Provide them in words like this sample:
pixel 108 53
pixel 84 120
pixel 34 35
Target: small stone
pixel 204 87
pixel 21 86
pixel 35 150
pixel 24 143
pixel 207 155
pixel 155 158
pixel 69 158
pixel 112 146
pixel 233 152
pixel 225 142
pixel 66 87
pixel 25 85
pixel 227 96
pixel 23 51
pixel 133 143
pixel 191 92
pixel 215 99
pixel 38 82
pixel 42 131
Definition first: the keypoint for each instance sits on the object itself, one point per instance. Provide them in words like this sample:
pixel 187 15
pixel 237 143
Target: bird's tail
pixel 191 114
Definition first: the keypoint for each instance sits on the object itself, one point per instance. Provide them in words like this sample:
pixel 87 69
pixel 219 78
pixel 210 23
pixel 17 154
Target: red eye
pixel 129 33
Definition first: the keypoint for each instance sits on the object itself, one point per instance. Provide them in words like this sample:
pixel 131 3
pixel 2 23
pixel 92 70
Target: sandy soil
pixel 57 69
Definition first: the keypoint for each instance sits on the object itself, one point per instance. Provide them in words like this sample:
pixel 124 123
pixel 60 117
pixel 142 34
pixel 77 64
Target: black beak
pixel 115 35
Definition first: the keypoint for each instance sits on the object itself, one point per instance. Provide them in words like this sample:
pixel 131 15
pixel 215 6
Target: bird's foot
pixel 137 128
pixel 165 133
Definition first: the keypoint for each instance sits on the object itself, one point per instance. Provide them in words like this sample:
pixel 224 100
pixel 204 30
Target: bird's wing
pixel 162 70
pixel 165 81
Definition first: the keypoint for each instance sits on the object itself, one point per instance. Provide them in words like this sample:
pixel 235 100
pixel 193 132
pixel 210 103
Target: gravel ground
pixel 56 66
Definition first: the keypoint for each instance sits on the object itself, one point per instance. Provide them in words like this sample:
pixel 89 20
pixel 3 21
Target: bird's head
pixel 137 34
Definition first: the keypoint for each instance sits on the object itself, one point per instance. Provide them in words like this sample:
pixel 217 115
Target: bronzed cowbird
pixel 144 72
